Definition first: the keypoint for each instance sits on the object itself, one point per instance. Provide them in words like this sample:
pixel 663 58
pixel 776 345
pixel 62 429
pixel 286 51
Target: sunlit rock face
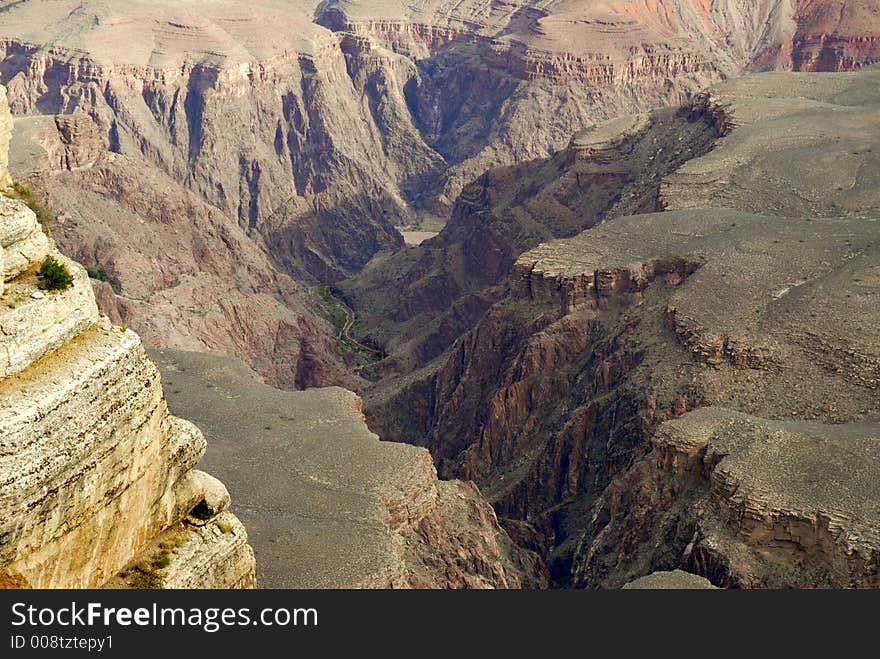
pixel 93 468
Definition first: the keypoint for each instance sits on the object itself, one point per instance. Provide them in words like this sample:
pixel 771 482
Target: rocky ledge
pixel 326 503
pixel 739 283
pixel 765 503
pixel 803 145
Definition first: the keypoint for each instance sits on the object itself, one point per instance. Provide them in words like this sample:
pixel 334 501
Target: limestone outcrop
pixel 92 466
pixel 5 137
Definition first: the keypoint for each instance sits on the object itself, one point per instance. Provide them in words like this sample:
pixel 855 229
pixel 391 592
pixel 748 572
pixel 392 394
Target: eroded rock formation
pixel 551 401
pixel 311 130
pixel 749 502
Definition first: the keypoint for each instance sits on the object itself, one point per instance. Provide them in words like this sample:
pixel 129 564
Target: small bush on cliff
pixel 21 191
pixel 54 276
pixel 138 577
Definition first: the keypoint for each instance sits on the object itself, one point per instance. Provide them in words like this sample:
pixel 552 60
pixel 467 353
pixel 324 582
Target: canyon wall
pixel 311 131
pixel 597 342
pixel 166 262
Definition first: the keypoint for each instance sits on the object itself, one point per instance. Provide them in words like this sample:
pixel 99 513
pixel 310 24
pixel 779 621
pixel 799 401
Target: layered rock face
pixel 5 136
pixel 766 503
pixel 93 468
pixel 551 401
pixel 328 505
pixel 825 36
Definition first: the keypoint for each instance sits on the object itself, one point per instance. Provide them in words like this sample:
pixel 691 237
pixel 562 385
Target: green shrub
pixel 138 577
pixel 162 560
pixel 54 275
pixel 21 191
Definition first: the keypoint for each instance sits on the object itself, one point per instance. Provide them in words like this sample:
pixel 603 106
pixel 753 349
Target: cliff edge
pixel 97 479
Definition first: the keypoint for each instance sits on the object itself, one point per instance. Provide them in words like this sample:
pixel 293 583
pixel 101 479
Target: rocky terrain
pixel 645 332
pixel 555 401
pixel 310 131
pixel 446 283
pixel 326 504
pixel 169 264
pixel 99 486
pixel 98 479
pixel 673 580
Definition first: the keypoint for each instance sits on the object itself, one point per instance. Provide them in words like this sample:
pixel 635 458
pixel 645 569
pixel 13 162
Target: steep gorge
pixel 99 486
pixel 595 343
pixel 215 170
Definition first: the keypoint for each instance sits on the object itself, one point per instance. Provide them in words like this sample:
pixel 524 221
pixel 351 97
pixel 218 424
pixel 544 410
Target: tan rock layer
pixel 92 466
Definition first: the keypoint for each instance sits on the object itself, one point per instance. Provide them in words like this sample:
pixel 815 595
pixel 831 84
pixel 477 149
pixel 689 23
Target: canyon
pixel 632 345
pixel 99 481
pixel 310 132
pixel 588 351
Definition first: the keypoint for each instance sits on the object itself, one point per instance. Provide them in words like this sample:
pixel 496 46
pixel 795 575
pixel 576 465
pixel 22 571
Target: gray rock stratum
pixel 328 505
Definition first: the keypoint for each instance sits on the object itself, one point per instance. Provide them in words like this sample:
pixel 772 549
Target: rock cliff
pixel 93 468
pixel 776 504
pixel 5 137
